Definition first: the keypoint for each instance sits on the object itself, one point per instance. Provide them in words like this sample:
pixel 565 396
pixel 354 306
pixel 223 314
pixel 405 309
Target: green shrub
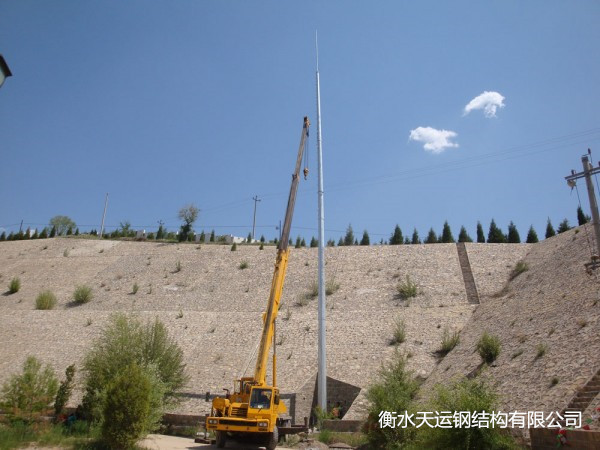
pixel 14 285
pixel 325 436
pixel 331 287
pixel 64 391
pixel 407 289
pixel 126 409
pixel 29 395
pixel 243 265
pixel 449 341
pixel 82 294
pixel 394 390
pixel 45 300
pixel 520 267
pixel 234 247
pixel 123 342
pixel 488 348
pixel 465 395
pixel 135 288
pixel 541 350
pixel 399 332
pixel 178 267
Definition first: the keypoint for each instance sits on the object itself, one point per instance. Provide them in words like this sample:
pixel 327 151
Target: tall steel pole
pixel 322 374
pixel 103 216
pixel 256 199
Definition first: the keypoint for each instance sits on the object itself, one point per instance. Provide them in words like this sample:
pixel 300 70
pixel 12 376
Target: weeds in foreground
pixel 82 294
pixel 519 268
pixel 488 348
pixel 449 341
pixel 399 332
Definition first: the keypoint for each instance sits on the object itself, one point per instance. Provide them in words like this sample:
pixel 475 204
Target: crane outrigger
pixel 255 408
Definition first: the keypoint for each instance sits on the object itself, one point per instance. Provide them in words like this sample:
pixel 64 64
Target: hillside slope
pixel 553 308
pixel 213 308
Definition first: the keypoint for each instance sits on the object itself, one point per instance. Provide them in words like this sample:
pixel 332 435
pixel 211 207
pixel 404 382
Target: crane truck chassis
pixel 255 409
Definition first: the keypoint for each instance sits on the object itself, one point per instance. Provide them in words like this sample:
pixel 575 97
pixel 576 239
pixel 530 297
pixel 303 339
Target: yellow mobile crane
pixel 255 407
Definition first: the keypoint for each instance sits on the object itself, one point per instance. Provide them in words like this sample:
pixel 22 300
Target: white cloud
pixel 489 101
pixel 436 141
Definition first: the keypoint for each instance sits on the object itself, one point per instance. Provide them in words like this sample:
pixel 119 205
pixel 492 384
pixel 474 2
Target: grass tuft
pixel 520 267
pixel 14 285
pixel 45 300
pixel 407 289
pixel 82 294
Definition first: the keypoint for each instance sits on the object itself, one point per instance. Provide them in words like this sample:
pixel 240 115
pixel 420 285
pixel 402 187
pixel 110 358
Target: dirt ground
pixel 162 442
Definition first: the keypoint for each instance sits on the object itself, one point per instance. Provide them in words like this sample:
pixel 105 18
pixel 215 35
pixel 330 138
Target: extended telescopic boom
pixel 280 269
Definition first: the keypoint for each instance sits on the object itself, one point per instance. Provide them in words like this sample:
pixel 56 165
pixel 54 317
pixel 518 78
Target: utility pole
pixel 103 216
pixel 256 199
pixel 588 171
pixel 21 226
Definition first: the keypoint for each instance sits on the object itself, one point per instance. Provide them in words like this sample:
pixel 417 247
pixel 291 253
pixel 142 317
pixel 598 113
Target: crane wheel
pixel 222 438
pixel 273 439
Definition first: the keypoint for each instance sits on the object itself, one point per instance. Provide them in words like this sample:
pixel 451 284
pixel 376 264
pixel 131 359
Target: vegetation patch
pixel 243 265
pixel 519 268
pixel 399 332
pixel 45 300
pixel 14 285
pixel 488 348
pixel 449 341
pixel 407 289
pixel 83 294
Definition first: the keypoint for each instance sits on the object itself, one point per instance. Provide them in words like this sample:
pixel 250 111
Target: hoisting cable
pixel 250 360
pixel 306 159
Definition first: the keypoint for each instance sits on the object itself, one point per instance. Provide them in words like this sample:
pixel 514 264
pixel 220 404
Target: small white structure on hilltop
pixel 140 234
pixel 231 239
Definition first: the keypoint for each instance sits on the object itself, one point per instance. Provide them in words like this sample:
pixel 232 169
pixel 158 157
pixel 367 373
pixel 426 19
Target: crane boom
pixel 280 269
pixel 254 407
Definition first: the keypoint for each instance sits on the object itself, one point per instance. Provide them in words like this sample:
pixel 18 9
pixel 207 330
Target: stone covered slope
pixel 213 308
pixel 555 306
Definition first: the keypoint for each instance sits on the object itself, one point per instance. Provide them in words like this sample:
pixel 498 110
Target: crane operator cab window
pixel 261 398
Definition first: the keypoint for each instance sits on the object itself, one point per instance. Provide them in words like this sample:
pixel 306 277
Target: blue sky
pixel 163 103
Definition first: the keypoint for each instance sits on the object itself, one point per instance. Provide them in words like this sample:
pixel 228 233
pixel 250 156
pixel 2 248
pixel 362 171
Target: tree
pixel 415 237
pixel 125 229
pixel 513 234
pixel 30 394
pixel 76 231
pixel 298 242
pixel 69 231
pixel 212 236
pixel 314 242
pixel 27 234
pixel 563 226
pixel 188 214
pixel 396 238
pixel 349 238
pixel 431 237
pixel 447 237
pixel 582 219
pixel 480 235
pixel 302 243
pixel 53 232
pixel 262 238
pixel 532 236
pixel 330 243
pixel 495 235
pixel 463 236
pixel 549 229
pixel 64 391
pixel 62 224
pixel 44 233
pixel 128 408
pixel 365 239
pixel 341 242
pixel 127 341
pixel 394 390
pixel 3 236
pixel 202 236
pixel 406 240
pixel 160 234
